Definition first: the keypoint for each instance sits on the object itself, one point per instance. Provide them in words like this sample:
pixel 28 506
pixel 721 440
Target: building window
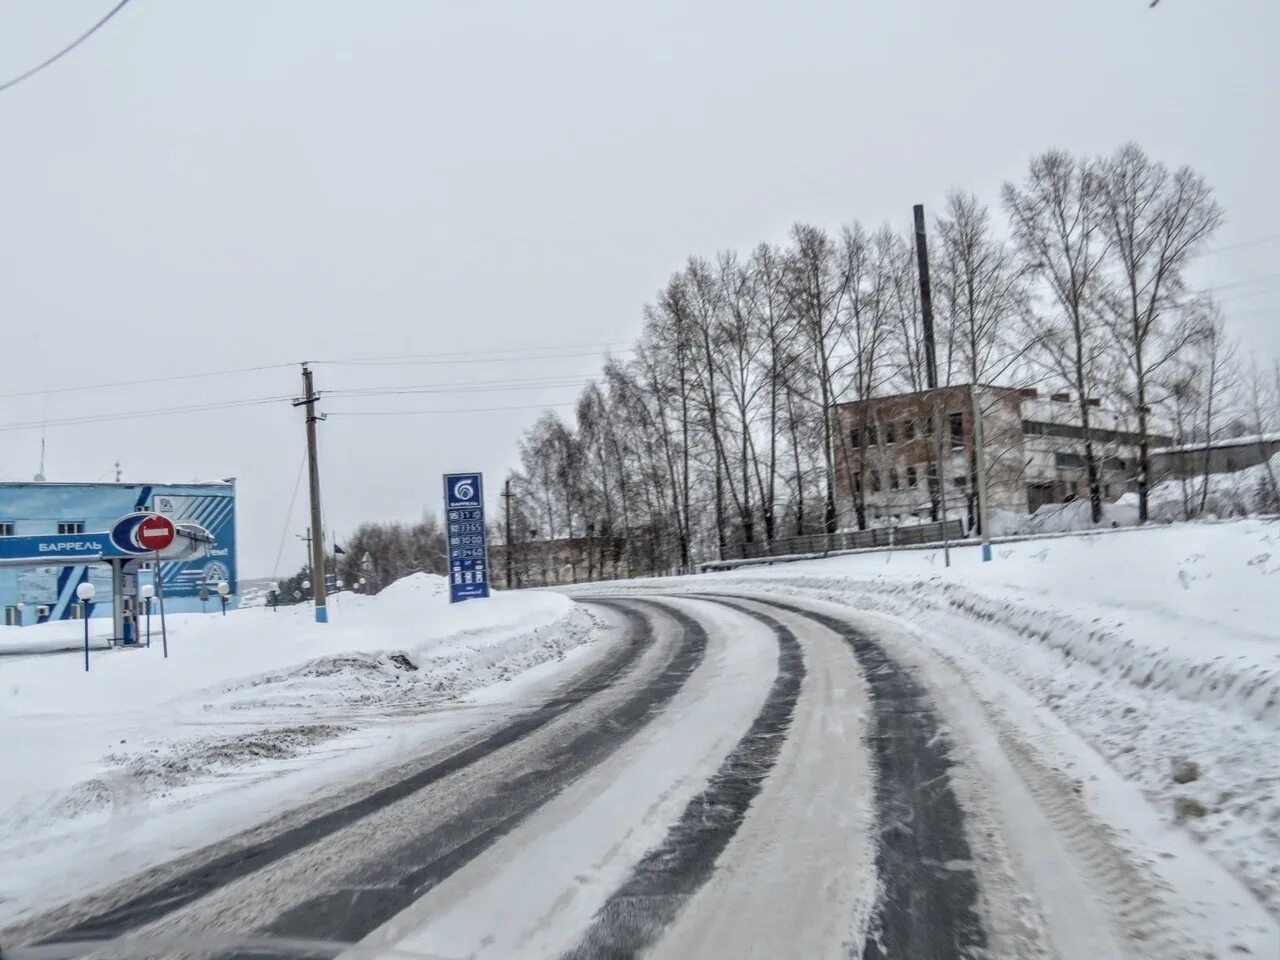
pixel 6 528
pixel 908 429
pixel 912 478
pixel 70 526
pixel 957 430
pixel 855 438
pixel 958 481
pixel 893 478
pixel 875 481
pixel 871 435
pixel 926 426
pixel 890 433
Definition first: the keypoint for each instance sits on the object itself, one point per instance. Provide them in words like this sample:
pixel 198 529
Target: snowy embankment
pixel 1158 648
pixel 145 757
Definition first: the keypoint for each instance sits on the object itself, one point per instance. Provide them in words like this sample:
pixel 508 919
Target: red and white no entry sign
pixel 156 532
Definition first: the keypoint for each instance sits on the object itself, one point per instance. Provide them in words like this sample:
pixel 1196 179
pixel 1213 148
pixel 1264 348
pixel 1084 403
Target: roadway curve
pixel 730 777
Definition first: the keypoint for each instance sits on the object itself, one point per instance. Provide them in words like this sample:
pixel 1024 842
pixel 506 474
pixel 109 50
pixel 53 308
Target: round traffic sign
pixel 156 532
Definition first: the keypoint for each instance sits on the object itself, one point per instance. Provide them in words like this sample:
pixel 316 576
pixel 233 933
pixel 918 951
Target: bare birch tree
pixel 1155 220
pixel 1057 218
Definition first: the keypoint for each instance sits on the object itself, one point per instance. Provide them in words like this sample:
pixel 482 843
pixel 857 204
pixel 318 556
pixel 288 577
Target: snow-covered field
pixel 1156 650
pixel 144 757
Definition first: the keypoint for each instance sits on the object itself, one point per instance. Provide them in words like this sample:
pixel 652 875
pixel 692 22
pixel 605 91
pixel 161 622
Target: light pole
pixel 148 591
pixel 224 588
pixel 274 597
pixel 306 587
pixel 21 606
pixel 85 592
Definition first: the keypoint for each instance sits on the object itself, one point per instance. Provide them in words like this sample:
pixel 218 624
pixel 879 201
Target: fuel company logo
pixel 464 489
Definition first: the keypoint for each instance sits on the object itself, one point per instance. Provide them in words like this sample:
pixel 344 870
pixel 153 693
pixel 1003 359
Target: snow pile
pixel 242 703
pixel 1070 517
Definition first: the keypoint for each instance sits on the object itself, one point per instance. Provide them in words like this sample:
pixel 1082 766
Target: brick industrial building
pixel 886 453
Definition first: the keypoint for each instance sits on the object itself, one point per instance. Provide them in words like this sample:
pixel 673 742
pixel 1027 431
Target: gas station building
pixel 36 592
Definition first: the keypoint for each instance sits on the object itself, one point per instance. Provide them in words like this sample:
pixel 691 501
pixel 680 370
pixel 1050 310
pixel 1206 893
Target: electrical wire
pixel 65 50
pixel 440 359
pixel 288 516
pixel 142 414
pixel 1239 283
pixel 405 413
pixel 135 383
pixel 1238 246
pixel 481 386
pixel 414 357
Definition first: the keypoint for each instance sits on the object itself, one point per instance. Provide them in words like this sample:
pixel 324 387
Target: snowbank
pixel 1064 518
pixel 241 703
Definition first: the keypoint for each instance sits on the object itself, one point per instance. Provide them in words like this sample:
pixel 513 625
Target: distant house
pixel 541 562
pixel 888 469
pixel 1229 455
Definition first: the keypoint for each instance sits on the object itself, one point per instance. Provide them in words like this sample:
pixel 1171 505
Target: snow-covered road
pixel 731 772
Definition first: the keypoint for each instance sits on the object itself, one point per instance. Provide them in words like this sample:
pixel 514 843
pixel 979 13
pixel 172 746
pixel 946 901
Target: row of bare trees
pixel 718 431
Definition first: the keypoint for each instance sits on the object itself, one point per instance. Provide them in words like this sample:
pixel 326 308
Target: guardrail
pixel 821 544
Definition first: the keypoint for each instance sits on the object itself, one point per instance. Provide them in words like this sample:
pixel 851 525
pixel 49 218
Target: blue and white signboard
pixel 464 528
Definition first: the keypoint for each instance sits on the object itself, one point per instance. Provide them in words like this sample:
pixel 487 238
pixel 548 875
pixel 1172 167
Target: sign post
pixel 464 529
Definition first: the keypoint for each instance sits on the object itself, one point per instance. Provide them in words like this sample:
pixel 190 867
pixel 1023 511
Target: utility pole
pixel 506 505
pixel 316 533
pixel 980 471
pixel 931 368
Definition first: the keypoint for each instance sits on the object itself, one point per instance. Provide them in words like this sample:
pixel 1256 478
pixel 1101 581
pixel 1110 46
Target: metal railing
pixel 846 540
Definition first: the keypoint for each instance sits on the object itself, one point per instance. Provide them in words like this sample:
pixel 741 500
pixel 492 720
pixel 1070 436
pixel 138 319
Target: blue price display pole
pixel 464 530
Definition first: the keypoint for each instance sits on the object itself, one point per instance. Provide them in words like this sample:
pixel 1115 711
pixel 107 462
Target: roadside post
pixel 148 593
pixel 274 596
pixel 85 592
pixel 164 631
pixel 464 530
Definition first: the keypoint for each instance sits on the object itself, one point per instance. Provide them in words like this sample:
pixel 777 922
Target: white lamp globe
pixel 223 588
pixel 85 592
pixel 148 591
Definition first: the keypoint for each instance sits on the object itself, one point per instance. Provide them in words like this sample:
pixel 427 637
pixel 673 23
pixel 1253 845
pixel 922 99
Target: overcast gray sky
pixel 213 185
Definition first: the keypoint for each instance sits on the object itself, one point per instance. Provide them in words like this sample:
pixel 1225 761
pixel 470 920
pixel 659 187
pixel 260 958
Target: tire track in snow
pixel 380 890
pixel 927 906
pixel 172 893
pixel 636 915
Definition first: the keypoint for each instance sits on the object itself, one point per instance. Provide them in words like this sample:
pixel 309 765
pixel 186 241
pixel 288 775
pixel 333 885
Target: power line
pixel 1239 283
pixel 439 359
pixel 65 50
pixel 1238 246
pixel 406 413
pixel 136 383
pixel 288 516
pixel 141 414
pixel 491 386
